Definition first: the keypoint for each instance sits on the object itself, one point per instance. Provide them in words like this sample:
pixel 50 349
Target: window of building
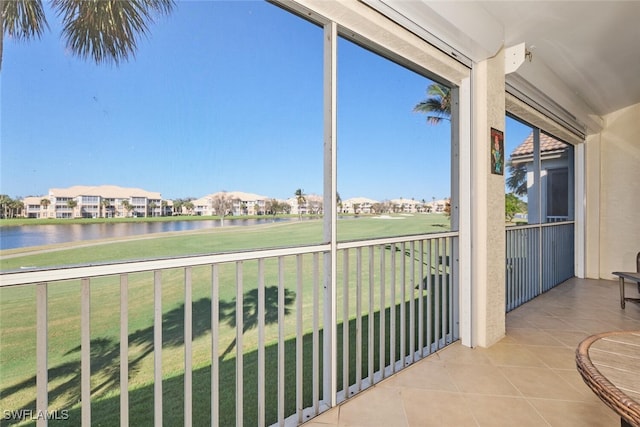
pixel 539 176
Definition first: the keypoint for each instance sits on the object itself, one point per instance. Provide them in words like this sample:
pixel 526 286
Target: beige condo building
pixel 104 201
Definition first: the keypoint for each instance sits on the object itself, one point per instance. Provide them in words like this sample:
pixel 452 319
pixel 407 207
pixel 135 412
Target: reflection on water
pixel 37 235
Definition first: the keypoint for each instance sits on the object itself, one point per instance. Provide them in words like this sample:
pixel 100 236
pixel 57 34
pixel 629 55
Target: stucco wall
pixel 488 236
pixel 619 196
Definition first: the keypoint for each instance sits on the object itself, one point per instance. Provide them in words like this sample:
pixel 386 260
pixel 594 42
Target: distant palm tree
pixel 72 204
pixel 152 208
pixel 106 203
pixel 437 106
pixel 300 199
pixel 127 206
pixel 104 30
pixel 517 180
pixel 189 206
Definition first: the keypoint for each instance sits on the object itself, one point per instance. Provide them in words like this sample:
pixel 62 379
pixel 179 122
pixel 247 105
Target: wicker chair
pixel 638 267
pixel 623 405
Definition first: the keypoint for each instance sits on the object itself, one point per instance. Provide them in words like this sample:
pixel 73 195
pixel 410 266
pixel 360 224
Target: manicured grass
pixel 215 240
pixel 17 318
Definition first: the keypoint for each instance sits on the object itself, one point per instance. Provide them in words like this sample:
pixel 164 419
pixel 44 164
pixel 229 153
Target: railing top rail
pixel 545 224
pixel 58 273
pixel 23 277
pixel 397 239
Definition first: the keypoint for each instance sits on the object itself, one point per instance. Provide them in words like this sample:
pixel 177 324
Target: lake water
pixel 37 235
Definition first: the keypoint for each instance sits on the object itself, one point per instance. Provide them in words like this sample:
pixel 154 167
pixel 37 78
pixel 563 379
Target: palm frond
pixel 517 179
pixel 23 19
pixel 107 31
pixel 437 106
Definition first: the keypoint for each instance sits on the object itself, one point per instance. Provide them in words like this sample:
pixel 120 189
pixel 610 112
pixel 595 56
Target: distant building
pixel 359 205
pixel 234 202
pixel 104 201
pixel 556 178
pixel 110 201
pixel 312 204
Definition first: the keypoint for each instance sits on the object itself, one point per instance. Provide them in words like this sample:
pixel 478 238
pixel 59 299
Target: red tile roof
pixel 547 144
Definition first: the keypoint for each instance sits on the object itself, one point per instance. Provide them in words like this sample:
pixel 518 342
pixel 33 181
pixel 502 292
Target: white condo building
pixel 103 201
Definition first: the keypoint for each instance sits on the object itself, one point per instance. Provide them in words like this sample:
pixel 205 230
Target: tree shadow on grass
pixel 64 379
pixel 438 269
pixel 105 411
pixel 250 306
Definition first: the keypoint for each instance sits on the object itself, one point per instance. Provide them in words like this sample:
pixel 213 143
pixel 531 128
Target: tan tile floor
pixel 529 378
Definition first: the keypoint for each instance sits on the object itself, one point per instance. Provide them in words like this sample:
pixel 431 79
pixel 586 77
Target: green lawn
pixel 17 318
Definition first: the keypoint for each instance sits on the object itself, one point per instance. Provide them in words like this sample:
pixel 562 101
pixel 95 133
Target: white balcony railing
pixel 538 258
pixel 282 347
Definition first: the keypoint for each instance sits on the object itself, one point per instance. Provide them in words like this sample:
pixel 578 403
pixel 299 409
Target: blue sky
pixel 220 96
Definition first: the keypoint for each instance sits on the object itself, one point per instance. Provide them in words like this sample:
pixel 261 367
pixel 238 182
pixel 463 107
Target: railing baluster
pixel 42 374
pixel 447 267
pixel 412 301
pixel 359 319
pixel 383 310
pixel 85 352
pixel 421 318
pixel 124 350
pixel 188 353
pixel 157 347
pixel 299 341
pixel 215 351
pixel 316 335
pixel 261 346
pixel 281 337
pixel 438 294
pixel 239 345
pixel 371 316
pixel 392 312
pixel 403 306
pixel 430 298
pixel 345 323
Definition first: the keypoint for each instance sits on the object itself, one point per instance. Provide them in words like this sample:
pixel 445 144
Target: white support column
pixel 330 217
pixel 487 209
pixel 580 206
pixel 592 215
pixel 465 202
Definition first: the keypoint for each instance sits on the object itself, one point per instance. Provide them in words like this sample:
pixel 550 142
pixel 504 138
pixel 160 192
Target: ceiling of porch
pixel 589 48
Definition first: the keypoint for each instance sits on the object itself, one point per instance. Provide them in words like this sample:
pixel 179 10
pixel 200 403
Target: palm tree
pixel 222 203
pixel 72 204
pixel 105 31
pixel 127 206
pixel 300 199
pixel 437 106
pixel 4 204
pixel 106 203
pixel 45 203
pixel 189 206
pixel 152 208
pixel 517 180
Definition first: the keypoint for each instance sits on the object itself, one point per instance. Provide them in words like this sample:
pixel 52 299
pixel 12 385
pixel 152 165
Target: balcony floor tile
pixel 527 379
